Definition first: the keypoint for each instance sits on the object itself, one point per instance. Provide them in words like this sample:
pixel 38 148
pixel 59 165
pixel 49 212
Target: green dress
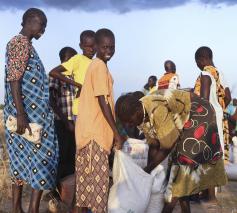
pixel 168 113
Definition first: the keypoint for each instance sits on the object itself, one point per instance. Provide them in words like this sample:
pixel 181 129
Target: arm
pixel 227 96
pixel 155 156
pixel 57 73
pixel 205 87
pixel 106 110
pixel 22 121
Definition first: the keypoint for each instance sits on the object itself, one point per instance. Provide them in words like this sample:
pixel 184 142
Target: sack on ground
pixel 157 200
pixel 131 190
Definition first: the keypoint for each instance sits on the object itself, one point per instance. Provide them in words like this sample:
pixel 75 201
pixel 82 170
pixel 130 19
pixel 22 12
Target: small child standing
pixel 96 129
pixel 61 98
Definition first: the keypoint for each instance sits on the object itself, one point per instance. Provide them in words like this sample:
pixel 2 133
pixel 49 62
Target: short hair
pixel 86 34
pixel 153 77
pixel 169 68
pixel 203 52
pixel 63 51
pixel 103 33
pixel 31 13
pixel 126 105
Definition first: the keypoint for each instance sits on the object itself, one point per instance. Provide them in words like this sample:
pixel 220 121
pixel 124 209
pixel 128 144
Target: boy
pixel 77 66
pixel 95 129
pixel 61 97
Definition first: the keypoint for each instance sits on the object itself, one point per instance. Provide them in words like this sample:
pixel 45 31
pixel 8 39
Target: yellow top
pixel 76 67
pixel 91 124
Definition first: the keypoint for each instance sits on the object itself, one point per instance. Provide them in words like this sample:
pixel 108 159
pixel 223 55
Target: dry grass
pixel 5 184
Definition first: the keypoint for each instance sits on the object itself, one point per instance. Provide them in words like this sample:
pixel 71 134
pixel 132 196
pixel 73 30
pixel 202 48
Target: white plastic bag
pixel 131 190
pixel 157 200
pixel 137 150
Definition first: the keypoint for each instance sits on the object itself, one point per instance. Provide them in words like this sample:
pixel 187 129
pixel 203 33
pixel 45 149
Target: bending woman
pixel 182 125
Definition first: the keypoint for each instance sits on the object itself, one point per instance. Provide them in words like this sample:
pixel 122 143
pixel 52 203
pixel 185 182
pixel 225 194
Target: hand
pixel 22 124
pixel 70 126
pixel 118 141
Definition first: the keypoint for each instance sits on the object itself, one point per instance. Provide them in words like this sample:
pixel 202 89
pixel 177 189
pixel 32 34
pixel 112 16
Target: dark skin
pixel 151 83
pixel 170 66
pixel 105 50
pixel 88 49
pixel 205 93
pixel 156 155
pixel 32 28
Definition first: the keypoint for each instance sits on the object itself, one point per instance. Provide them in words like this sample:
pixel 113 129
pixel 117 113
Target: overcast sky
pixel 147 33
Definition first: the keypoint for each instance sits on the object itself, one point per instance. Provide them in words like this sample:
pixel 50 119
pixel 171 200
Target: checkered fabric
pixel 34 164
pixel 64 97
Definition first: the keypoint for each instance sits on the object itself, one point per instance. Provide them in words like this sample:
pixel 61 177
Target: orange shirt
pixel 91 123
pixel 168 81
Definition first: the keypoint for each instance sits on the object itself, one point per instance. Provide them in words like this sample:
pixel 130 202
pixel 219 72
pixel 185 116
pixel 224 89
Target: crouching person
pixel 182 125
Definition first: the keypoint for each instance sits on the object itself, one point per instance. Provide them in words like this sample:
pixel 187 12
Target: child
pixel 77 65
pixel 61 97
pixel 209 86
pixel 95 129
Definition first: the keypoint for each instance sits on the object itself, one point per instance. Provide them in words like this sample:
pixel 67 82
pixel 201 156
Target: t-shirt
pixel 76 67
pixel 168 81
pixel 91 123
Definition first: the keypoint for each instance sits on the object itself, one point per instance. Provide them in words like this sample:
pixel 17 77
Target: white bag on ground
pixel 131 190
pixel 157 200
pixel 137 150
pixel 231 171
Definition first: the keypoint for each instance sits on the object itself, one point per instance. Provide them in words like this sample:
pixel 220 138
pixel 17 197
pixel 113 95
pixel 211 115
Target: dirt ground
pixel 227 198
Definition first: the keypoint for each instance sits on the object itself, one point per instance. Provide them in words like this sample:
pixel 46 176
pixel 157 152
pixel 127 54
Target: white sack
pixel 131 190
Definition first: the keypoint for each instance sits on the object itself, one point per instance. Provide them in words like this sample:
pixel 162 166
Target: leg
pixel 16 198
pixel 212 195
pixel 185 205
pixel 35 201
pixel 168 208
pixel 77 209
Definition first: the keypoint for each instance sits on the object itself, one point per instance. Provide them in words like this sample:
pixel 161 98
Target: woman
pixel 183 125
pixel 26 99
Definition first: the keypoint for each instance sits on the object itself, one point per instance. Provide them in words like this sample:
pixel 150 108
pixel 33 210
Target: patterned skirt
pixel 92 178
pixel 200 143
pixel 184 181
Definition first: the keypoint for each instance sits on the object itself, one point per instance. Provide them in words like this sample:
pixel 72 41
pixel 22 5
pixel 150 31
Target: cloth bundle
pixel 36 129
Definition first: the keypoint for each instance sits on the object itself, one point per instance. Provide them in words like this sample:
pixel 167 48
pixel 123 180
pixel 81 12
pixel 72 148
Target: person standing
pixel 61 99
pixel 27 99
pixel 96 129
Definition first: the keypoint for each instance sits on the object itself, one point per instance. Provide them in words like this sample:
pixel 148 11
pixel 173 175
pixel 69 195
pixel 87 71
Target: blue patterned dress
pixel 35 164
